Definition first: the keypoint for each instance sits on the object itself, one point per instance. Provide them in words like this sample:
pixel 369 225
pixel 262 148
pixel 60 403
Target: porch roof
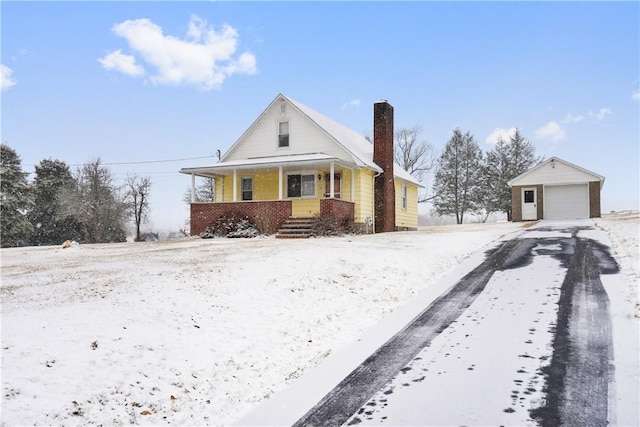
pixel 226 168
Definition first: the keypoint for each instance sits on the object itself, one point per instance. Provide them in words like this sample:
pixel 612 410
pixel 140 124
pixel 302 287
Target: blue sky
pixel 145 81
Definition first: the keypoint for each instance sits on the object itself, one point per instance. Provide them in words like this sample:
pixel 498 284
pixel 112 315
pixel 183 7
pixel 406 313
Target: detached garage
pixel 555 189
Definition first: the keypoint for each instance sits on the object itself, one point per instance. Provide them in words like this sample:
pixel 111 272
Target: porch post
pixel 331 169
pixel 193 187
pixel 235 185
pixel 353 185
pixel 279 182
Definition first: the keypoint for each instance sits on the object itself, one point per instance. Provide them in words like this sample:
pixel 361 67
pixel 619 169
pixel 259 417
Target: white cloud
pixel 594 117
pixel 636 96
pixel 355 103
pixel 573 119
pixel 205 57
pixel 604 112
pixel 118 61
pixel 5 77
pixel 552 131
pixel 500 133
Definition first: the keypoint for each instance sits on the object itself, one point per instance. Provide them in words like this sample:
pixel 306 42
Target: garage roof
pixel 555 171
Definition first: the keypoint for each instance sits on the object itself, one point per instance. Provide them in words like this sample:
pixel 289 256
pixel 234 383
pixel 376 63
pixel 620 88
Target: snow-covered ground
pixel 201 331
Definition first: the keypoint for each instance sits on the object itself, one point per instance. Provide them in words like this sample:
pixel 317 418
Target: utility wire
pixel 143 162
pixel 156 161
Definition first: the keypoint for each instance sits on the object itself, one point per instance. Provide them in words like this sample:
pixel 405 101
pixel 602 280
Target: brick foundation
pixel 342 210
pixel 267 215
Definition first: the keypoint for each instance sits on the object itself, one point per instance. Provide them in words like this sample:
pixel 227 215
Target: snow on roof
pixel 351 140
pixel 518 178
pixel 262 161
pixel 358 146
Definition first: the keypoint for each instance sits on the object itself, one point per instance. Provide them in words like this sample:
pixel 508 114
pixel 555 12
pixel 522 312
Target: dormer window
pixel 283 134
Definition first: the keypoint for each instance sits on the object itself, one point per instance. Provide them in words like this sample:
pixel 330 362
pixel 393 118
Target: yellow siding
pixel 346 185
pixel 227 188
pixel 363 195
pixel 406 218
pixel 265 186
pixel 305 207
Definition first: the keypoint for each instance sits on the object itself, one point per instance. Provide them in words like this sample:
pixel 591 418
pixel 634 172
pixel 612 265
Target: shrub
pixel 349 227
pixel 230 225
pixel 325 225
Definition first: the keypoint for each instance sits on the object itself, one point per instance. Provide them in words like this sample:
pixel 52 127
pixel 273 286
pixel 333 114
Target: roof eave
pixel 554 158
pixel 219 170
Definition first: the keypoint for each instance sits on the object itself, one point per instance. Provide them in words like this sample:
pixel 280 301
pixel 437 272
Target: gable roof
pixel 360 149
pixel 582 173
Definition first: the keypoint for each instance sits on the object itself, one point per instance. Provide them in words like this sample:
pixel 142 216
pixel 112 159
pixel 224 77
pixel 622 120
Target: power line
pixel 143 162
pixel 156 161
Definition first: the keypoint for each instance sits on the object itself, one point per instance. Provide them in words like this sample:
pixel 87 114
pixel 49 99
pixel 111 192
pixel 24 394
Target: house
pixel 294 162
pixel 556 189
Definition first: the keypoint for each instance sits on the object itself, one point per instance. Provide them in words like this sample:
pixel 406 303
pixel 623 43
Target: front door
pixel 337 185
pixel 529 204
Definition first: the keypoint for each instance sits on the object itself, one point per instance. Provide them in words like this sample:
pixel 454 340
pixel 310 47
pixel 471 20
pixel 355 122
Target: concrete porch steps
pixel 296 228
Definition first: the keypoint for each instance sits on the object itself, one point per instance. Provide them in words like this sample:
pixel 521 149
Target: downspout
pixel 373 207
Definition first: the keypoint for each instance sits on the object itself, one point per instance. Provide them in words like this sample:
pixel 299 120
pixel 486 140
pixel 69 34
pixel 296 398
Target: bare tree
pixel 97 203
pixel 414 156
pixel 205 191
pixel 137 191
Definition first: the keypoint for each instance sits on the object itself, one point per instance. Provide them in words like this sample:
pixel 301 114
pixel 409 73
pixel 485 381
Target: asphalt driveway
pixel 524 338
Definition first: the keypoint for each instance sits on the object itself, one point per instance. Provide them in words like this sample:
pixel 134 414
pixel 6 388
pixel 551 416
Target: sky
pixel 152 87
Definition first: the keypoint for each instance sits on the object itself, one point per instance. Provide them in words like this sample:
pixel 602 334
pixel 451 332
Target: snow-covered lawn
pixel 201 331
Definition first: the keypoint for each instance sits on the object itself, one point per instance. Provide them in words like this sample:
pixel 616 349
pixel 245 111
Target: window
pixel 247 188
pixel 404 197
pixel 301 185
pixel 528 196
pixel 283 134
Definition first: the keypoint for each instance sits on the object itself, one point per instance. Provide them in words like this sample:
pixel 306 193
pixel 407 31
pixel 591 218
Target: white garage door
pixel 566 201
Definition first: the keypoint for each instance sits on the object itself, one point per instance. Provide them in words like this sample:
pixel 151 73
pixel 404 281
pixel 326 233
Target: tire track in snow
pixel 577 380
pixel 379 368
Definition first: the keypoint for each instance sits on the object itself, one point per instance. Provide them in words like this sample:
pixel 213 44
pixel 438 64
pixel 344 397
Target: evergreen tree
pixel 15 228
pixel 458 177
pixel 98 204
pixel 504 162
pixel 50 224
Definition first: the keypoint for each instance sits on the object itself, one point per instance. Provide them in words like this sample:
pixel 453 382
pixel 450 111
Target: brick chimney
pixel 384 190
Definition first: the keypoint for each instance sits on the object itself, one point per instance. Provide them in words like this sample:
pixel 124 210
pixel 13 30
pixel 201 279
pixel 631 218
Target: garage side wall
pixel 516 201
pixel 594 199
pixel 516 204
